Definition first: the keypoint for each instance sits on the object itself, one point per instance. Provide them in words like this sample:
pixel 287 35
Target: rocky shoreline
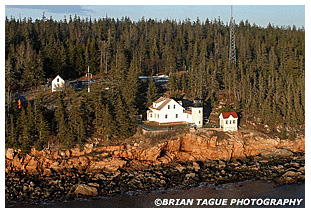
pixel 69 185
pixel 47 177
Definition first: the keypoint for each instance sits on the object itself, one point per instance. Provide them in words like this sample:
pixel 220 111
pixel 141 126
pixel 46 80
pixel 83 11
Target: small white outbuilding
pixel 228 121
pixel 58 84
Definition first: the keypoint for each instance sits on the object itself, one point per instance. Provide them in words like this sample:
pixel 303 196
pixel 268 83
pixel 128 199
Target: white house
pixel 58 84
pixel 166 110
pixel 228 121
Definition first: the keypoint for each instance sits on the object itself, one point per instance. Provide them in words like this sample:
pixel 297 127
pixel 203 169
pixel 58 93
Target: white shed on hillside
pixel 58 84
pixel 228 121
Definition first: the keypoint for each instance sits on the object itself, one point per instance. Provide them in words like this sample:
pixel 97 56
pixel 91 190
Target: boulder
pixel 276 153
pixel 289 177
pixel 46 172
pixel 213 142
pixel 9 153
pixel 298 145
pixel 55 166
pixel 85 190
pixel 17 163
pixel 173 145
pixel 76 152
pixel 190 175
pixel 114 165
pixel 55 155
pixel 108 165
pixel 180 168
pixel 32 165
pixel 196 166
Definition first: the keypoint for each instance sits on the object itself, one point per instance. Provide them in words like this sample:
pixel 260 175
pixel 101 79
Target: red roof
pixel 226 115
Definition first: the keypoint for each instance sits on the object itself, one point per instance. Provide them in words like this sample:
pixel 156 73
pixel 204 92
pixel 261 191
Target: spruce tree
pixel 77 124
pixel 64 134
pixel 130 90
pixel 108 124
pixel 151 92
pixel 125 125
pixel 31 123
pixel 43 132
pixel 25 134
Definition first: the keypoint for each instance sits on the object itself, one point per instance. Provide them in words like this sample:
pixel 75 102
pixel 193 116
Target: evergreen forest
pixel 267 81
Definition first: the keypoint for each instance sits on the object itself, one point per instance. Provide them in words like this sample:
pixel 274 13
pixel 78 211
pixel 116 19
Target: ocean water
pixel 203 196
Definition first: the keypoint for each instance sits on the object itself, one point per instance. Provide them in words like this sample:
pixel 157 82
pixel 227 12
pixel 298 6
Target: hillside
pixel 265 86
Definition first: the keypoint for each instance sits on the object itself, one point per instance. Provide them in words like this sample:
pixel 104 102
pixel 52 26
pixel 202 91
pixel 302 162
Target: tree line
pixel 71 122
pixel 267 81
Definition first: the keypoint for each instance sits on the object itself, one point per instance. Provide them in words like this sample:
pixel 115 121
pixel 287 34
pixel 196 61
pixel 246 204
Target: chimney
pixel 167 94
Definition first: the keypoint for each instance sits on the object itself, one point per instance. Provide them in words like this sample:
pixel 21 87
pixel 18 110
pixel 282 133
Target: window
pixel 176 115
pixel 57 79
pixel 199 111
pixel 226 121
pixel 158 115
pixel 155 115
pixel 230 121
pixel 174 106
pixel 199 122
pixel 166 116
pixel 168 107
pixel 233 121
pixel 150 115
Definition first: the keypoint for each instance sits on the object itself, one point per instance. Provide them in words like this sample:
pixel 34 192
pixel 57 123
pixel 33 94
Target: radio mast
pixel 88 79
pixel 232 51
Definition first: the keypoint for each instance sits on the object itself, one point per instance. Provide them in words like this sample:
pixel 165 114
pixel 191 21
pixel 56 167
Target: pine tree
pixel 11 132
pixel 31 122
pixel 25 133
pixel 43 132
pixel 151 92
pixel 64 134
pixel 108 123
pixel 130 90
pixel 124 123
pixel 77 124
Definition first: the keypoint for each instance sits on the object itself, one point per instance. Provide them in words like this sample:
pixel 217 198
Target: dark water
pixel 143 199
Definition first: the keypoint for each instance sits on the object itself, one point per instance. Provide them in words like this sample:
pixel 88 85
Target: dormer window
pixel 174 106
pixel 57 80
pixel 168 106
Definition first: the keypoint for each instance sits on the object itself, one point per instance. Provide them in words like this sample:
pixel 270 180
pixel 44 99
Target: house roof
pixel 160 100
pixel 166 101
pixel 226 115
pixel 56 77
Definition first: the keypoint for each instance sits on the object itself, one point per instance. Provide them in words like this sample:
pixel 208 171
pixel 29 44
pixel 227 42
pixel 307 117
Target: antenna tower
pixel 232 52
pixel 88 79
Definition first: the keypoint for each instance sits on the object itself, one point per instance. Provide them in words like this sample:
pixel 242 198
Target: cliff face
pixel 186 147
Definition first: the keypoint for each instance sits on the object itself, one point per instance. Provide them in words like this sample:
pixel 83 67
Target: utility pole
pixel 232 51
pixel 88 79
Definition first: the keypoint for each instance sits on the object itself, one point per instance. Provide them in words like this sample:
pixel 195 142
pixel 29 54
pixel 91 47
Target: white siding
pixel 58 84
pixel 174 112
pixel 229 124
pixel 168 113
pixel 197 116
